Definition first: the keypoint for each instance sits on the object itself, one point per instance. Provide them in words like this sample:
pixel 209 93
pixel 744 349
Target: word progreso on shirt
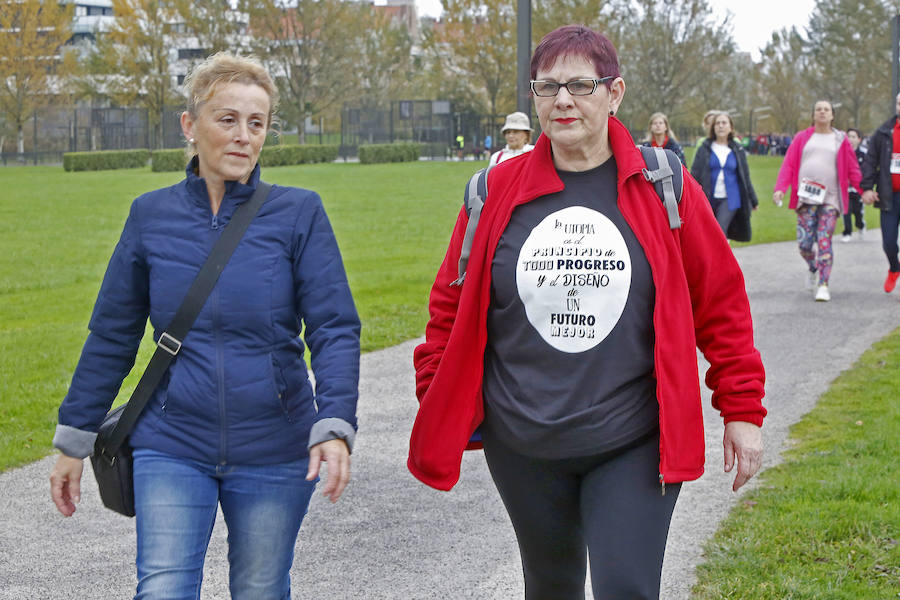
pixel 573 277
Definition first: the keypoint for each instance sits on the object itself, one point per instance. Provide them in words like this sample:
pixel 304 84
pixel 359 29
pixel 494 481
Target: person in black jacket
pixel 855 202
pixel 660 135
pixel 720 166
pixel 880 171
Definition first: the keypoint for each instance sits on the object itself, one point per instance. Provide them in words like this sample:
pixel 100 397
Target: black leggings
pixel 610 505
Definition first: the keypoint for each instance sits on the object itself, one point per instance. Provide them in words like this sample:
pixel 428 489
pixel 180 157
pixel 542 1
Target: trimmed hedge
pixel 168 160
pixel 105 160
pixel 385 153
pixel 295 154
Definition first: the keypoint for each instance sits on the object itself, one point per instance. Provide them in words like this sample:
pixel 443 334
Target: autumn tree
pixel 131 62
pixel 668 50
pixel 784 82
pixel 605 16
pixel 849 43
pixel 475 43
pixel 312 48
pixel 385 62
pixel 214 24
pixel 31 65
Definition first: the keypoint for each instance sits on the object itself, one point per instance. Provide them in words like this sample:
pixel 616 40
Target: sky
pixel 753 22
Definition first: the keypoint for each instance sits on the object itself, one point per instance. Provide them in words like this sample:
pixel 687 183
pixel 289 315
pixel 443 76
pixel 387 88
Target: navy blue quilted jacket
pixel 238 391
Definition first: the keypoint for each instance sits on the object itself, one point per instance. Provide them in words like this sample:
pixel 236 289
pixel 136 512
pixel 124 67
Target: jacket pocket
pixel 279 383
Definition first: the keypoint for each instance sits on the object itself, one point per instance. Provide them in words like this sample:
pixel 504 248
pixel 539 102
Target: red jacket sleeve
pixel 722 322
pixel 442 306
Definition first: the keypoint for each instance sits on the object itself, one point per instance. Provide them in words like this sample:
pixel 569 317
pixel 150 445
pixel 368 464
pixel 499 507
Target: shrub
pixel 294 154
pixel 384 153
pixel 168 160
pixel 105 160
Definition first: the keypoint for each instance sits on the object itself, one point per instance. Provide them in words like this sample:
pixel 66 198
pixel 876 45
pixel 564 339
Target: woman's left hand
pixel 337 455
pixel 743 441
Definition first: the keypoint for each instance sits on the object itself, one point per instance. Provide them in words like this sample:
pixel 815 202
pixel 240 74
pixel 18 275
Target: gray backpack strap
pixel 663 170
pixel 473 201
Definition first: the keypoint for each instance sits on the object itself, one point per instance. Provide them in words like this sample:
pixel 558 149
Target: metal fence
pixel 55 130
pixel 432 123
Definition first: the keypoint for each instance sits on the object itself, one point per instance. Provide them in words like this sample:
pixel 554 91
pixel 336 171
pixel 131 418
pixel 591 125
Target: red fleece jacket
pixel 700 302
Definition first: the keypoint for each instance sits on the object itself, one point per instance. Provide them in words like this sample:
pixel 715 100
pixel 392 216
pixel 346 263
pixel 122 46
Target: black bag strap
pixel 169 342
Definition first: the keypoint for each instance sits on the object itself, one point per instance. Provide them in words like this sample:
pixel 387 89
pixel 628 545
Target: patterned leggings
pixel 815 226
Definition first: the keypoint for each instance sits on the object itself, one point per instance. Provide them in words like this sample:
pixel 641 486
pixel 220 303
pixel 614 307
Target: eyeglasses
pixel 576 87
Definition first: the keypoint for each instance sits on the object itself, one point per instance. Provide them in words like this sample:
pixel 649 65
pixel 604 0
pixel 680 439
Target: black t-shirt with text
pixel 569 361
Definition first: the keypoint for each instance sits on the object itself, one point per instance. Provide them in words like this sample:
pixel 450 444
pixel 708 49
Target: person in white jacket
pixel 517 131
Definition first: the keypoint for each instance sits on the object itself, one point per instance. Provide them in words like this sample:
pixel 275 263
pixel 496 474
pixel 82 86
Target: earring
pixel 191 141
pixel 612 112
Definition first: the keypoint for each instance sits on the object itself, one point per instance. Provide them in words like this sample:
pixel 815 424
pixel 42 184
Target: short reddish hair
pixel 577 41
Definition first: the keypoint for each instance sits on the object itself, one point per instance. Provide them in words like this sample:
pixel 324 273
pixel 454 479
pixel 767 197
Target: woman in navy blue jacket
pixel 235 422
pixel 661 135
pixel 720 166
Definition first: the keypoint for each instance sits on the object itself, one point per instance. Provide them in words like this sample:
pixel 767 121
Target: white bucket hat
pixel 518 121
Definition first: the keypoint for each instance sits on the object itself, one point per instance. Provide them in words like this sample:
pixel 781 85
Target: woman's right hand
pixel 65 483
pixel 778 198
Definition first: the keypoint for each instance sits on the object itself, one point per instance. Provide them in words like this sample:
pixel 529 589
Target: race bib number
pixel 573 277
pixel 895 162
pixel 811 192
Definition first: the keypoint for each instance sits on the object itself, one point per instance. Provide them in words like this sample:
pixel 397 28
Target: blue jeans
pixel 890 222
pixel 176 501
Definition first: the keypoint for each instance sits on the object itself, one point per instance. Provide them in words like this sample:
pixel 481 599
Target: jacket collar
pixel 235 190
pixel 540 178
pixel 888 126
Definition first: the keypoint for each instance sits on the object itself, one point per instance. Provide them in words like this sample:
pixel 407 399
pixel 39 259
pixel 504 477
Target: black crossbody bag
pixel 112 459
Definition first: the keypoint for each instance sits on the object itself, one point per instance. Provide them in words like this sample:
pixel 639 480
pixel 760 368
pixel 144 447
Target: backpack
pixel 663 170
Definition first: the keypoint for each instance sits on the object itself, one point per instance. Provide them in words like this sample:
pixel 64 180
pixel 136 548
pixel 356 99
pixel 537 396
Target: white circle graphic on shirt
pixel 573 276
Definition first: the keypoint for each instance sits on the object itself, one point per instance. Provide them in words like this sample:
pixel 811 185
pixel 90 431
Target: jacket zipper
pixel 220 359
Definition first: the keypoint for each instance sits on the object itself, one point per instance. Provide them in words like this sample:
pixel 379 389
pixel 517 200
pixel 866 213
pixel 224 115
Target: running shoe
pixel 891 281
pixel 810 280
pixel 822 293
pixel 861 234
pixel 846 238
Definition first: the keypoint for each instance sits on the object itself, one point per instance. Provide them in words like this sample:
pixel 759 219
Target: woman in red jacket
pixel 571 344
pixel 820 167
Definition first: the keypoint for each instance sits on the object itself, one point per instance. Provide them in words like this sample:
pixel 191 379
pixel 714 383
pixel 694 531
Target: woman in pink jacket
pixel 820 166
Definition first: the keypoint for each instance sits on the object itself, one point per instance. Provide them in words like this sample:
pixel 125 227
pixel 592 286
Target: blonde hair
pixel 223 68
pixel 659 115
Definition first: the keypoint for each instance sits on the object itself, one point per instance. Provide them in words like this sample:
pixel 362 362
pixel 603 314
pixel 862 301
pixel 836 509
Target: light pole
pixel 757 109
pixel 523 56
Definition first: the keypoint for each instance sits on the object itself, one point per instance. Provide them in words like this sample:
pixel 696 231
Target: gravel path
pixel 392 537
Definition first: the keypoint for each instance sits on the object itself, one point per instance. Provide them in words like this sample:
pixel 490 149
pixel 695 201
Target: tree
pixel 31 35
pixel 849 42
pixel 131 62
pixel 783 72
pixel 312 48
pixel 385 62
pixel 668 51
pixel 476 43
pixel 214 24
pixel 605 16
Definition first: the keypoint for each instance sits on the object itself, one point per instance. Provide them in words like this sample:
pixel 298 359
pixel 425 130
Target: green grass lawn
pixel 58 229
pixel 823 525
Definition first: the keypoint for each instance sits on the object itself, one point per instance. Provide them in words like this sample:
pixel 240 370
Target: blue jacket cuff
pixel 332 428
pixel 76 443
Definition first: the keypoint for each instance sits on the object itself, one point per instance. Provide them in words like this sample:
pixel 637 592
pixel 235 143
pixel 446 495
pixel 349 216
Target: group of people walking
pixel 574 270
pixel 830 177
